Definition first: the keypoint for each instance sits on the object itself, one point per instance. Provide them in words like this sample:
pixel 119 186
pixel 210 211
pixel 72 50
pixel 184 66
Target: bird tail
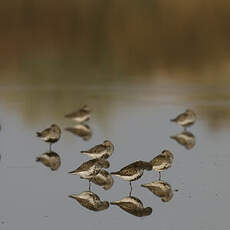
pixel 143 185
pixel 114 203
pixel 38 159
pixel 173 137
pixel 114 173
pixel 173 120
pixel 72 172
pixel 39 134
pixel 83 152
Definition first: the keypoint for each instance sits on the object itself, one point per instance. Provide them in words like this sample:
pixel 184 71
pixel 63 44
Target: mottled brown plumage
pixel 50 135
pixel 91 168
pixel 50 159
pixel 104 150
pixel 90 201
pixel 133 171
pixel 133 205
pixel 81 130
pixel 104 179
pixel 161 189
pixel 185 139
pixel 80 115
pixel 185 119
pixel 162 162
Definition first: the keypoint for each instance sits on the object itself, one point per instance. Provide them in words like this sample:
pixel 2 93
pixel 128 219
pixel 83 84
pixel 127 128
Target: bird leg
pixel 89 184
pixel 131 188
pixel 50 147
pixel 159 176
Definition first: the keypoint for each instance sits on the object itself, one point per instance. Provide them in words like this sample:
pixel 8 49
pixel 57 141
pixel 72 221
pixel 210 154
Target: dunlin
pixel 50 159
pixel 51 134
pixel 80 115
pixel 90 169
pixel 133 206
pixel 133 171
pixel 81 130
pixel 104 179
pixel 185 119
pixel 104 150
pixel 186 139
pixel 162 162
pixel 161 189
pixel 90 201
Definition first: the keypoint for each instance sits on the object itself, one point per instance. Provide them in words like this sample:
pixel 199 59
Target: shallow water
pixel 135 117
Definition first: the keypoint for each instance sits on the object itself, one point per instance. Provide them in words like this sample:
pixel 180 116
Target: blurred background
pixel 114 44
pixel 136 64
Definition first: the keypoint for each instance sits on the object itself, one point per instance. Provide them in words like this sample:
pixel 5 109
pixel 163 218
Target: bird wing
pixel 97 149
pixel 181 117
pixel 52 154
pixel 157 160
pixel 85 166
pixel 78 113
pixel 128 170
pixel 45 132
pixel 130 203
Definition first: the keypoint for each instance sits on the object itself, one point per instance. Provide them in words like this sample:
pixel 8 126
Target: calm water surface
pixel 135 117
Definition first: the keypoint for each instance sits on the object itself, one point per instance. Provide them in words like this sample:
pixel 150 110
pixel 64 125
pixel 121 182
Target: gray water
pixel 135 117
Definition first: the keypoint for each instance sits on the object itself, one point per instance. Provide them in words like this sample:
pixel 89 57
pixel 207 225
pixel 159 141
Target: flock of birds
pixel 93 170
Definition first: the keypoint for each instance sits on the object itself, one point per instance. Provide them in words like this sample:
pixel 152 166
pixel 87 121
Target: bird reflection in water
pixel 133 205
pixel 90 201
pixel 103 179
pixel 161 189
pixel 186 139
pixel 81 115
pixel 50 159
pixel 133 171
pixel 88 170
pixel 81 130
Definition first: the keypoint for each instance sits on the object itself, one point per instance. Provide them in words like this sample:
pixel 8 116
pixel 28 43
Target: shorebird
pixel 104 179
pixel 186 139
pixel 90 201
pixel 133 206
pixel 185 119
pixel 133 172
pixel 161 189
pixel 50 159
pixel 51 134
pixel 80 115
pixel 104 150
pixel 162 162
pixel 81 130
pixel 90 169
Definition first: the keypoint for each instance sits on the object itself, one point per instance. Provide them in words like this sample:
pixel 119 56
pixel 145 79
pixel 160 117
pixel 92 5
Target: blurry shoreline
pixel 46 40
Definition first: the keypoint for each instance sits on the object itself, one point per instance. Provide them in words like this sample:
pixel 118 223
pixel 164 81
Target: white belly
pixel 162 167
pixel 81 119
pixel 97 155
pixel 133 177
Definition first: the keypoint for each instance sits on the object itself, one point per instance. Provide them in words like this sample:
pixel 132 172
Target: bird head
pixel 147 211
